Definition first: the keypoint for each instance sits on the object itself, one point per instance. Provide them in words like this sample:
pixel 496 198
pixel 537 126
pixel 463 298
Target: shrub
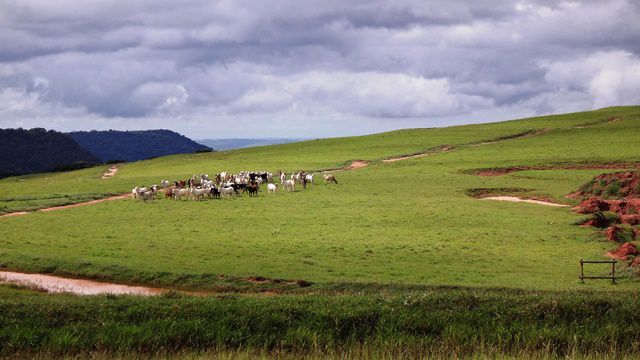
pixel 613 190
pixel 583 220
pixel 624 233
pixel 605 219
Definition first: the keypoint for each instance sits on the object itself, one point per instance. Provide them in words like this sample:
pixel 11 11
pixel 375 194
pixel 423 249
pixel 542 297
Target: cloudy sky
pixel 216 69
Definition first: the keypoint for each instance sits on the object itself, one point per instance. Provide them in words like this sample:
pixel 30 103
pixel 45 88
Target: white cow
pixel 164 183
pixel 271 188
pixel 283 177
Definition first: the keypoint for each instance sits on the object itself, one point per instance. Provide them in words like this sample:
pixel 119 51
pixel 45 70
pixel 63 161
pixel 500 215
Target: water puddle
pixel 56 284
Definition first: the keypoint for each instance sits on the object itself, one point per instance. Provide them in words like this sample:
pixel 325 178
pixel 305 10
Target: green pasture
pixel 407 222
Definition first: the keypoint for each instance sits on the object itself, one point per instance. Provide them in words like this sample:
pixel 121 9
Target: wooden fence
pixel 612 277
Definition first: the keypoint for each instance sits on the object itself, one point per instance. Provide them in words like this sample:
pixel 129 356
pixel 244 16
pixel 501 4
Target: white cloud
pixel 608 78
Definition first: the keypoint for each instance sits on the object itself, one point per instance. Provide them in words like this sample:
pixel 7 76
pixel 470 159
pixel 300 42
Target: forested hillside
pixel 38 150
pixel 114 145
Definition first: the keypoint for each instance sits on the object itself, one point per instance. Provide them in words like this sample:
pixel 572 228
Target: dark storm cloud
pixel 341 67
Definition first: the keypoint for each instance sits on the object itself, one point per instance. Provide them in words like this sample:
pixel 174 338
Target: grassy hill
pixel 407 224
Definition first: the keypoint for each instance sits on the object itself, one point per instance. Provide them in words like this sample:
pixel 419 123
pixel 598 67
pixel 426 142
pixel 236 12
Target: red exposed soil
pixel 591 206
pixel 586 166
pixel 621 207
pixel 620 216
pixel 612 233
pixel 630 219
pixel 625 184
pixel 624 251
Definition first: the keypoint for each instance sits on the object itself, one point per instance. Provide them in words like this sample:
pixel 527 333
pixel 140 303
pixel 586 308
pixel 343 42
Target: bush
pixel 605 219
pixel 583 220
pixel 622 233
pixel 613 190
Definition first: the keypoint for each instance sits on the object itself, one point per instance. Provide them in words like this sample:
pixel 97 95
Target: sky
pixel 221 69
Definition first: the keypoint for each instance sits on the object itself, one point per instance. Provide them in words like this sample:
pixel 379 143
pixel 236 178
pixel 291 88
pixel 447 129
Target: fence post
pixel 581 271
pixel 613 272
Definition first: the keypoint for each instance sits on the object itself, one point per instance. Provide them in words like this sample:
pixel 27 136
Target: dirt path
pixel 517 199
pixel 418 155
pixel 355 164
pixel 586 125
pixel 61 207
pixel 112 171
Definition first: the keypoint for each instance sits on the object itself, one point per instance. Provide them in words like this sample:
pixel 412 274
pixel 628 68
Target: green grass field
pixel 405 223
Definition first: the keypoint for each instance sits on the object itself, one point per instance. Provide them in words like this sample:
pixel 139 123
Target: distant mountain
pixel 228 144
pixel 135 145
pixel 38 150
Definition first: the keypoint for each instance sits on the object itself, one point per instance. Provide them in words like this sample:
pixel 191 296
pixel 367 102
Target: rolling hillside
pixel 404 221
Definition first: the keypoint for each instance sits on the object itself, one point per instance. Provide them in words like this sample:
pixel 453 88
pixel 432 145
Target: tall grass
pixel 409 324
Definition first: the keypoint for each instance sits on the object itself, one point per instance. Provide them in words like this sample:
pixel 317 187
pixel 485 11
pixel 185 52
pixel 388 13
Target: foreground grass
pixel 368 322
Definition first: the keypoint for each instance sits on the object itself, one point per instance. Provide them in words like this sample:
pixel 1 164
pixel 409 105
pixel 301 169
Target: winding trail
pixel 517 199
pixel 586 125
pixel 355 164
pixel 419 155
pixel 61 207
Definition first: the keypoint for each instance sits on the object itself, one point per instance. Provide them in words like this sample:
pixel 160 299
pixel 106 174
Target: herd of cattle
pixel 226 184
